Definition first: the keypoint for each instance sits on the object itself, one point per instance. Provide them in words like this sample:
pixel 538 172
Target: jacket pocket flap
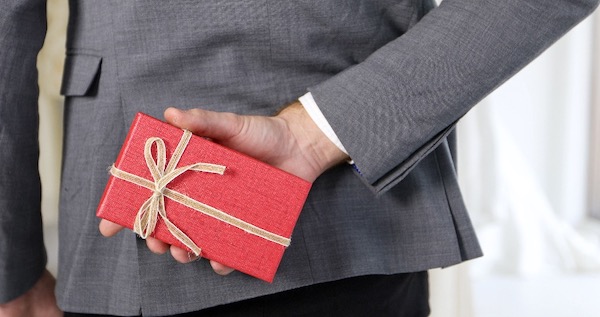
pixel 80 71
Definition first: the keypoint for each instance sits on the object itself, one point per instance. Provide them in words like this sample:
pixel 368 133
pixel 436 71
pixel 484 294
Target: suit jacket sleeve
pixel 22 252
pixel 395 107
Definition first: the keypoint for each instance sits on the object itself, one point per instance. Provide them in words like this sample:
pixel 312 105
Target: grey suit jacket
pixel 391 76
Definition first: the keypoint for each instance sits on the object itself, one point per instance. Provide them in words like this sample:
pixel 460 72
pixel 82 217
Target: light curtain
pixel 523 164
pixel 523 155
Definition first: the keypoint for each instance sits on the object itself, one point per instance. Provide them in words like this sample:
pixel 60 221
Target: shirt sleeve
pixel 311 107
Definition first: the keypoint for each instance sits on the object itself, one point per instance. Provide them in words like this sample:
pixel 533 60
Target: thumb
pixel 219 126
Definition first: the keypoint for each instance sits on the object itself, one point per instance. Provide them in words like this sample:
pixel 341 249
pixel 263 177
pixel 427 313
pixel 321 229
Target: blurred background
pixel 529 166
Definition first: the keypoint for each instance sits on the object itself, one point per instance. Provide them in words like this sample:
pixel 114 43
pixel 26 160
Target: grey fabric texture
pixel 391 76
pixel 22 253
pixel 411 91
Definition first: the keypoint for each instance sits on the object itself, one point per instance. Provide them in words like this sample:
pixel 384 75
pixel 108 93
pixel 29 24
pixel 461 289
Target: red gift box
pixel 239 211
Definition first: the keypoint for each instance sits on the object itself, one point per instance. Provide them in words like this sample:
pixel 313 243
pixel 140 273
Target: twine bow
pixel 163 174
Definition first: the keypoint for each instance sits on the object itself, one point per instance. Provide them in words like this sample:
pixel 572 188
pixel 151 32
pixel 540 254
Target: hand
pixel 39 301
pixel 290 141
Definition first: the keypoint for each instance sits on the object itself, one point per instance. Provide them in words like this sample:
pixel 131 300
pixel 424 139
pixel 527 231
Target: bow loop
pixel 163 174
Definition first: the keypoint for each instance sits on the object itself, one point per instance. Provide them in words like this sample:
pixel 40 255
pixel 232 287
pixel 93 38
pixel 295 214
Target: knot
pixel 163 174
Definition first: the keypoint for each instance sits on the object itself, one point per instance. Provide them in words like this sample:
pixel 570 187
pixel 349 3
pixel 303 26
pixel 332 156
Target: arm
pixel 22 252
pixel 404 99
pixel 409 93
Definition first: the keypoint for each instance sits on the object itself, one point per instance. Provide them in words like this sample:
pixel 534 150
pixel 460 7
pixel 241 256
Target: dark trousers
pixel 399 295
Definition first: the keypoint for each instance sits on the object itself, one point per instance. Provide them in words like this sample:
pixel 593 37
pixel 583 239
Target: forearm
pixel 409 93
pixel 22 255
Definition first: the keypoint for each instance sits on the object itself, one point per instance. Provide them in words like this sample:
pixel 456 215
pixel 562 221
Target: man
pixel 387 82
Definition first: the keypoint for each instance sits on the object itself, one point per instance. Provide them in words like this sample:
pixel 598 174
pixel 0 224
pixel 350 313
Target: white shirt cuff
pixel 317 116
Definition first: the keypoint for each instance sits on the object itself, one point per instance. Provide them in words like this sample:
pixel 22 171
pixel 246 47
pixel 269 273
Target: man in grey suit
pixel 387 81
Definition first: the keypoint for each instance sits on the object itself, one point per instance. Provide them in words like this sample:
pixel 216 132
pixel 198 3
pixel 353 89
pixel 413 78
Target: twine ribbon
pixel 163 173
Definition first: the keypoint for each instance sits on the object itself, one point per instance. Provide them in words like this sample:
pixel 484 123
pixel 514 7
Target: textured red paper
pixel 250 190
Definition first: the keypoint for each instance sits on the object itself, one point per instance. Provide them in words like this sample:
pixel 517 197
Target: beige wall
pixel 50 65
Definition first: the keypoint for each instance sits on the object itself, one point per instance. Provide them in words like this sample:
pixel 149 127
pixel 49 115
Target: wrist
pixel 314 145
